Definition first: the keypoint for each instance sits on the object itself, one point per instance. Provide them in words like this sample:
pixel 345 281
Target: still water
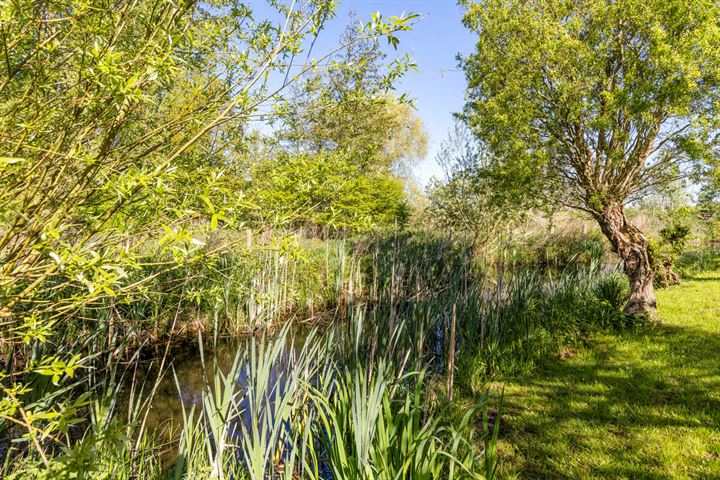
pixel 189 372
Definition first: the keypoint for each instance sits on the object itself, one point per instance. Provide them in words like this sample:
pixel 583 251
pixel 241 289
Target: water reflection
pixel 191 372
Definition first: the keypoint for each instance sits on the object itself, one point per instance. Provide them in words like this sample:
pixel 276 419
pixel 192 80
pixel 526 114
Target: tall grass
pixel 696 261
pixel 359 400
pixel 281 410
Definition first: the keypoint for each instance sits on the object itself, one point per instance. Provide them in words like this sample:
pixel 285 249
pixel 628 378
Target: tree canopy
pixel 608 98
pixel 324 189
pixel 350 107
pixel 122 123
pixel 596 103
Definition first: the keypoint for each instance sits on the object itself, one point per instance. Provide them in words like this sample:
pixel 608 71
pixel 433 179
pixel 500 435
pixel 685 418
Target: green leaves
pixel 35 329
pixel 4 161
pixel 56 368
pixel 595 96
pixel 326 189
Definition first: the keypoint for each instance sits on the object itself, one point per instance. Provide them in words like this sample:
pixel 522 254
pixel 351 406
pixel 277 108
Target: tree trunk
pixel 632 246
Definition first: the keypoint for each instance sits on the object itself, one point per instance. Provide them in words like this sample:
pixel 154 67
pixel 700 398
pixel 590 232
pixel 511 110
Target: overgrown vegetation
pixel 174 175
pixel 404 303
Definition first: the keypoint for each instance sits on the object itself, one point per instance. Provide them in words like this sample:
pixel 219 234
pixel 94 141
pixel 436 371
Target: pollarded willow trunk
pixel 631 245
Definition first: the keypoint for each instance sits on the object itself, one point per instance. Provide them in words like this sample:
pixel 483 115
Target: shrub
pixel 613 289
pixel 696 261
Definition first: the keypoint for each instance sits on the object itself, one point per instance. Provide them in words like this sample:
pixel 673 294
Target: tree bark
pixel 631 245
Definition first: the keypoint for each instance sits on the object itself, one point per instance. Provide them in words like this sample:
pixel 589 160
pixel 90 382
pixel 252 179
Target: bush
pixel 696 261
pixel 613 289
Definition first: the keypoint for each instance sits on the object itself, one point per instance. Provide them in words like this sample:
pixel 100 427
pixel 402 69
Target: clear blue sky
pixel 437 37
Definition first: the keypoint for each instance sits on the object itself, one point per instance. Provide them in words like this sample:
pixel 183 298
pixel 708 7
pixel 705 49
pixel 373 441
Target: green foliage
pixel 325 189
pixel 664 251
pixel 676 236
pixel 538 316
pixel 693 262
pixel 355 381
pixel 380 431
pixel 606 99
pixel 120 130
pixel 594 104
pixel 349 109
pixel 467 201
pixel 342 146
pixel 132 139
pixel 555 250
pixel 301 410
pixel 613 289
pixel 677 230
pixel 709 206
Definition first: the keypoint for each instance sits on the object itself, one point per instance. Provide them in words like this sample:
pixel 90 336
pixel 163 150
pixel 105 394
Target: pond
pixel 189 372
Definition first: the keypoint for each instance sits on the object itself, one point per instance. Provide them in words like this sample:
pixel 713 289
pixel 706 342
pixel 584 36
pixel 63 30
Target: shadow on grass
pixel 602 411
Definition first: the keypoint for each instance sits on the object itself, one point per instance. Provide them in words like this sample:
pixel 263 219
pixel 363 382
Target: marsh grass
pixel 282 410
pixel 695 262
pixel 364 399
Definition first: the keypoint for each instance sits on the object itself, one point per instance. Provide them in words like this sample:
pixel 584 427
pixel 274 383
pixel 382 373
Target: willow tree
pixel 114 121
pixel 113 125
pixel 596 103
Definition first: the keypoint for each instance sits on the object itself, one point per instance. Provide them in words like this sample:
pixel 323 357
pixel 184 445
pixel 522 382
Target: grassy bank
pixel 416 302
pixel 639 404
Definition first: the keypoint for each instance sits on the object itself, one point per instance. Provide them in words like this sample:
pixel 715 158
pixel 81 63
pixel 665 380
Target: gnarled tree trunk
pixel 631 245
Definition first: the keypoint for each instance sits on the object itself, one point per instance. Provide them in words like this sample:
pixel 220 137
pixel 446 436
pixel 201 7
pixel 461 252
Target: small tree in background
pixel 674 236
pixel 342 150
pixel 466 200
pixel 597 103
pixel 350 107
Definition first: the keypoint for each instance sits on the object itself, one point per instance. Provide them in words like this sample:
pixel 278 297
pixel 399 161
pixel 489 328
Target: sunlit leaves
pixel 57 368
pixel 33 328
pixel 120 128
pixel 598 96
pixel 326 189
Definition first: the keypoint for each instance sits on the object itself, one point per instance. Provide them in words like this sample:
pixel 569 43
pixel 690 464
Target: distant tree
pixel 596 103
pixel 466 200
pixel 673 238
pixel 349 107
pixel 708 203
pixel 343 146
pixel 324 189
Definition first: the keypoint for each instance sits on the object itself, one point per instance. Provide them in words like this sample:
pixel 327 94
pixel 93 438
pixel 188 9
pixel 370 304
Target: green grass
pixel 629 405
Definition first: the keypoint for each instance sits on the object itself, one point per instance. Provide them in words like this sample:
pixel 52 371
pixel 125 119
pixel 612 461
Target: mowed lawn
pixel 629 405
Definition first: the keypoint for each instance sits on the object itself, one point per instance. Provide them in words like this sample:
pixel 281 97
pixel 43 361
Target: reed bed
pixel 401 321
